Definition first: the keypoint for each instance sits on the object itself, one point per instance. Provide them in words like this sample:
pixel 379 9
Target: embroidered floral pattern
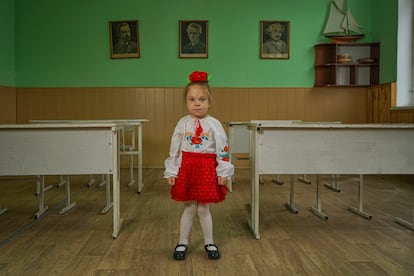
pixel 224 154
pixel 195 141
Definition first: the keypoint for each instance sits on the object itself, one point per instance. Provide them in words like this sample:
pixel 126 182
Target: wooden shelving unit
pixel 331 72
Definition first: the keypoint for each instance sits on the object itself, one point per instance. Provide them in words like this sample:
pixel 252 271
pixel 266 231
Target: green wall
pixel 7 45
pixel 66 43
pixel 386 23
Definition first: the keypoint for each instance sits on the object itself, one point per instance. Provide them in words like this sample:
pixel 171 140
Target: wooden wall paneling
pixel 353 105
pixel 315 103
pixel 229 103
pixel 221 105
pixel 137 105
pixel 163 107
pixel 265 108
pixel 281 104
pixel 269 104
pixel 255 102
pixel 369 105
pixel 309 105
pixel 170 117
pixel 161 140
pixel 49 103
pixel 344 105
pixel 380 101
pixel 300 104
pixel 402 116
pixel 375 105
pixel 90 104
pixel 27 104
pixel 150 143
pixel 24 104
pixel 59 104
pixel 7 105
pixel 290 104
pixel 258 103
pixel 385 103
pixel 233 105
pixel 110 102
pixel 332 105
pixel 244 113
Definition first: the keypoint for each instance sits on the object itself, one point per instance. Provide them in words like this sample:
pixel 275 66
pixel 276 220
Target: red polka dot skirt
pixel 197 179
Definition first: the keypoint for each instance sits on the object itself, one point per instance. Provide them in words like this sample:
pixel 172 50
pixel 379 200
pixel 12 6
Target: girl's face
pixel 197 101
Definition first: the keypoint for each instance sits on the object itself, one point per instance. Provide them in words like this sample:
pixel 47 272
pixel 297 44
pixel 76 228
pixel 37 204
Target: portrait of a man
pixel 274 39
pixel 124 39
pixel 193 39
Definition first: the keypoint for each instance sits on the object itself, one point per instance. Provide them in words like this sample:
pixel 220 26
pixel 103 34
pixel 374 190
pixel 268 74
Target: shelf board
pixel 343 85
pixel 347 64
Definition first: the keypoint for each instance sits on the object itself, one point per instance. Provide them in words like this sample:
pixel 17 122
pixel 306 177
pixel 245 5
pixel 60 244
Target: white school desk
pixel 36 149
pixel 343 149
pixel 239 139
pixel 129 150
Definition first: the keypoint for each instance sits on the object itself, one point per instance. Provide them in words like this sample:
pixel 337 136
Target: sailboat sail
pixel 352 24
pixel 340 20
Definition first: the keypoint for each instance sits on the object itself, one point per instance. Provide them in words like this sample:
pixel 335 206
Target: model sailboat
pixel 341 25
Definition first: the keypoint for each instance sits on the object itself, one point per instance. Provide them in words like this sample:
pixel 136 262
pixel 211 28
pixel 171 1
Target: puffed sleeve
pixel 224 167
pixel 173 162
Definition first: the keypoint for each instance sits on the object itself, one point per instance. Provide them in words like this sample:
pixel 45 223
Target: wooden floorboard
pixel 80 242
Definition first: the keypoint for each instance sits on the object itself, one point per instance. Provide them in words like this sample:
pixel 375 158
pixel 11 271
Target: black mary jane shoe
pixel 212 254
pixel 180 255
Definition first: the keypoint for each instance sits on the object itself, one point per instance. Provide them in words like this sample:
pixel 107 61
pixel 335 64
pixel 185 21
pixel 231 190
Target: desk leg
pixel 333 184
pixel 117 221
pixel 230 183
pixel 140 184
pixel 318 210
pixel 62 181
pixel 304 179
pixel 291 204
pixel 131 170
pixel 103 182
pixel 69 204
pixel 405 223
pixel 277 180
pixel 254 206
pixel 42 207
pixel 2 211
pixel 254 183
pixel 131 157
pixel 91 180
pixel 108 203
pixel 38 186
pixel 360 210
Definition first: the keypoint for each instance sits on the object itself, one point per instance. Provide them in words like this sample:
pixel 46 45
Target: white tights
pixel 204 216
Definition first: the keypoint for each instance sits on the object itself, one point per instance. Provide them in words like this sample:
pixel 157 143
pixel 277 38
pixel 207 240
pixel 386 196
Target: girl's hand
pixel 171 180
pixel 222 180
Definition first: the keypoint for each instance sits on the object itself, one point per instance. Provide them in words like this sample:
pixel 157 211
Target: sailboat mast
pixel 346 25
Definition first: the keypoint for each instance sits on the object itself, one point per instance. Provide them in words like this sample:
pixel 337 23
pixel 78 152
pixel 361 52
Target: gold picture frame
pixel 274 39
pixel 193 39
pixel 124 39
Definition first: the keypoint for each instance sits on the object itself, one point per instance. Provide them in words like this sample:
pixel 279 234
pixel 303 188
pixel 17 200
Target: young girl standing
pixel 198 165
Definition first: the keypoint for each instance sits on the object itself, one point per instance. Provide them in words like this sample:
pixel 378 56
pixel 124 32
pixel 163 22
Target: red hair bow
pixel 198 76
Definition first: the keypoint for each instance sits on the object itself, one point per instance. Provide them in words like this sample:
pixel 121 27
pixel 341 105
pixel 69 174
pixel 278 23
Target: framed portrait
pixel 193 42
pixel 124 39
pixel 274 39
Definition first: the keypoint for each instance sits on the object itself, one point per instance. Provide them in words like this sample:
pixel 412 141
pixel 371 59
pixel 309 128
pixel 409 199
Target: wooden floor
pixel 80 242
